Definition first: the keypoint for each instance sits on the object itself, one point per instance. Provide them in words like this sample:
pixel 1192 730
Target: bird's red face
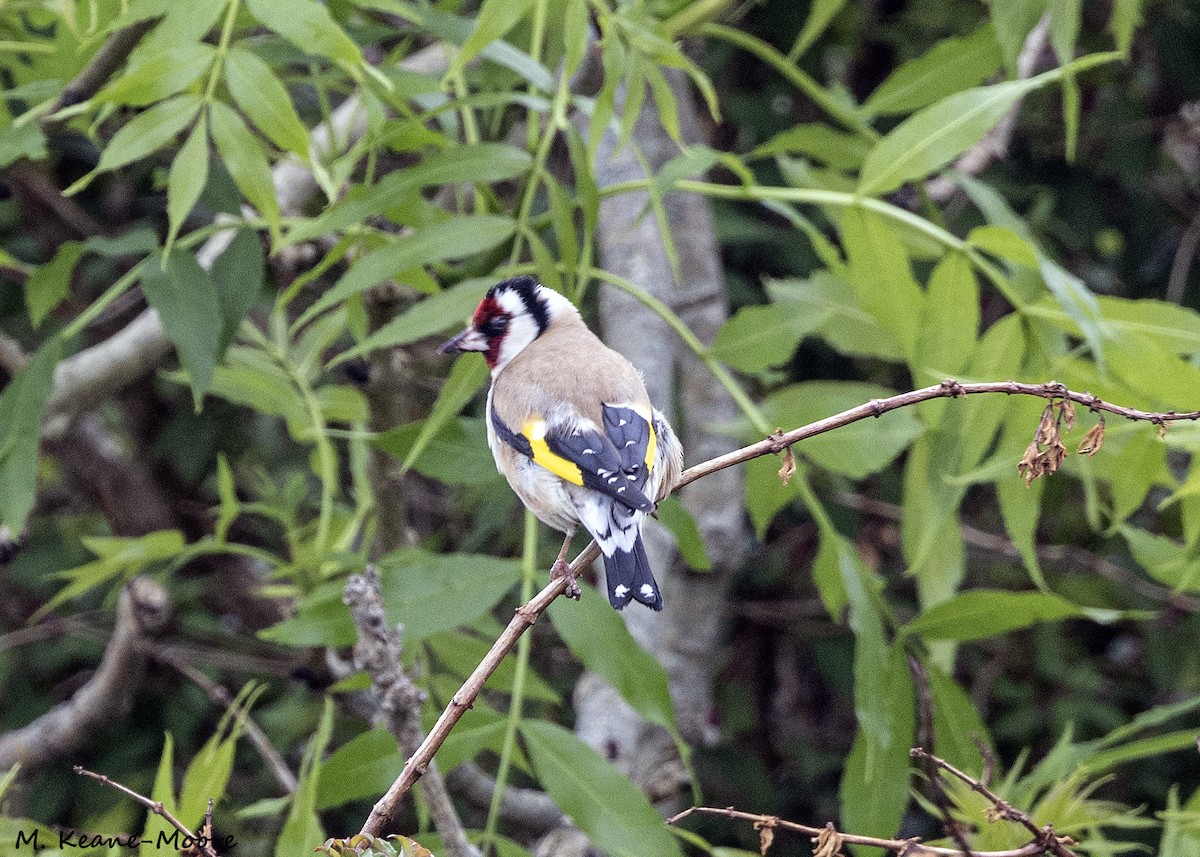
pixel 487 332
pixel 511 315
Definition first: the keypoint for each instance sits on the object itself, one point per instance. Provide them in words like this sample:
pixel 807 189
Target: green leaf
pixel 958 729
pixel 882 278
pixel 599 799
pixel 246 161
pixel 1064 28
pixel 1019 507
pixel 454 238
pixel 135 242
pixel 847 326
pixel 467 376
pixel 856 450
pixel 163 792
pixel 1013 20
pixel 50 283
pixel 457 455
pixel 22 403
pixel 321 619
pixel 437 313
pixel 596 634
pixel 672 515
pixel 1126 16
pixel 875 784
pixel 186 300
pixel 22 141
pixel 950 66
pixel 1164 559
pixel 208 774
pixel 837 149
pixel 982 613
pixel 461 652
pixel 146 133
pixel 949 320
pixel 429 592
pixel 1004 243
pixel 265 101
pixel 819 17
pixel 758 337
pixel 496 18
pixel 189 174
pixel 933 137
pixel 308 25
pixel 363 767
pixel 159 75
pixel 239 276
pixel 467 163
pixel 302 832
pixel 766 495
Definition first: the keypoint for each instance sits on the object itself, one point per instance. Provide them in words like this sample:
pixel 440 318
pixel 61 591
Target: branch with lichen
pixel 1061 401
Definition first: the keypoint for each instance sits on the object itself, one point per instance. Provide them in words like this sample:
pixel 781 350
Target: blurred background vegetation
pixel 232 233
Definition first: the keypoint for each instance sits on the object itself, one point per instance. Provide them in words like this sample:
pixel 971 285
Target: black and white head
pixel 511 315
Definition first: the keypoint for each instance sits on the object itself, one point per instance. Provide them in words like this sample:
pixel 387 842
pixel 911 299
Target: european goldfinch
pixel 572 429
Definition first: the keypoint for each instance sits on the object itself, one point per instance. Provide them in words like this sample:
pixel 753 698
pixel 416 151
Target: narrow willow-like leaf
pixel 981 613
pixel 189 174
pixel 596 634
pixel 243 156
pixel 22 403
pixel 496 18
pixel 186 300
pixel 265 101
pixel 50 283
pixel 160 76
pixel 455 238
pixel 308 25
pixel 950 66
pixel 819 17
pixel 599 799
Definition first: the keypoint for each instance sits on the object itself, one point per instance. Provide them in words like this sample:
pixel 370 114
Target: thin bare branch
pixel 1045 837
pixel 528 613
pixel 102 65
pixel 904 847
pixel 156 807
pixel 221 696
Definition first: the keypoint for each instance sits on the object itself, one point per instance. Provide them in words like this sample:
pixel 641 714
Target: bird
pixel 572 429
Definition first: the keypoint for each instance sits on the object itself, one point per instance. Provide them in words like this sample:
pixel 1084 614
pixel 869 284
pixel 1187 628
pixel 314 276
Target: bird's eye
pixel 496 325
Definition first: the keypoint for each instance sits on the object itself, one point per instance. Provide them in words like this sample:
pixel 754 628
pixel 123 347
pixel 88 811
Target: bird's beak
pixel 469 340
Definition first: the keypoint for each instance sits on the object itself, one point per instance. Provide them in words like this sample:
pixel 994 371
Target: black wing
pixel 612 463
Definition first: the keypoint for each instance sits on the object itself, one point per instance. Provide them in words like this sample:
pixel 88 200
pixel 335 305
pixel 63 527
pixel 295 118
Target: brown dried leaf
pixel 766 834
pixel 1162 429
pixel 788 469
pixel 1028 466
pixel 828 843
pixel 1047 430
pixel 1093 440
pixel 1068 413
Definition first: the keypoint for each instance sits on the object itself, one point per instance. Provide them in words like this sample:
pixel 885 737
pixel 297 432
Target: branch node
pixel 877 408
pixel 954 389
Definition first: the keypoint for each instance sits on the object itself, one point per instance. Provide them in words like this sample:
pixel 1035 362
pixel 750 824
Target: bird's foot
pixel 562 569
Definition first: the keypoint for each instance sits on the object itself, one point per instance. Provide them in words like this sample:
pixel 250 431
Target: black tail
pixel 629 577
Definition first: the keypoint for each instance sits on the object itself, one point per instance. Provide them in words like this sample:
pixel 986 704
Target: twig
pixel 102 65
pixel 949 388
pixel 378 651
pixel 527 614
pixel 1184 256
pixel 221 696
pixel 904 847
pixel 1050 841
pixel 925 734
pixel 23 174
pixel 143 609
pixel 154 806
